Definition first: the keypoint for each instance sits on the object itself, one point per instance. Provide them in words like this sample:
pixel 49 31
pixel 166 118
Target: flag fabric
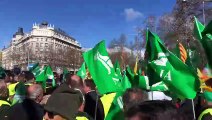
pixel 129 73
pixel 101 69
pixel 182 53
pixel 35 69
pixel 125 82
pixel 113 106
pixel 177 76
pixel 50 75
pixel 141 82
pixel 185 56
pixel 151 54
pixel 137 80
pixel 136 66
pixel 107 100
pixel 117 68
pixel 160 86
pixel 204 35
pixel 42 74
pixel 65 71
pixel 82 71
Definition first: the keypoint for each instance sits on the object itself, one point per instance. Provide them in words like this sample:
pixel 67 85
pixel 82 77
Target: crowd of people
pixel 21 98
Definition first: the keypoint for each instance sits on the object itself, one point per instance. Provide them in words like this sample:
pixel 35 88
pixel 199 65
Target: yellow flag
pixel 203 79
pixel 136 66
pixel 107 100
pixel 183 53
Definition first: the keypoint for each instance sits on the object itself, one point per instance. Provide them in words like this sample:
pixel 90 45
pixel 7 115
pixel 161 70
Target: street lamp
pixel 203 9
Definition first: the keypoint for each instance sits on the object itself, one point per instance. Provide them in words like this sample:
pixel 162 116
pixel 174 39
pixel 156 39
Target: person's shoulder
pixel 207 116
pixel 84 114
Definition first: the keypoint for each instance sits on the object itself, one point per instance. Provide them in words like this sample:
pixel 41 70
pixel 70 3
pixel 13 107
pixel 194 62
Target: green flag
pixel 160 86
pixel 141 82
pixel 65 71
pixel 204 35
pixel 125 82
pixel 35 69
pixel 82 71
pixel 115 109
pixel 188 58
pixel 40 75
pixel 129 74
pixel 151 54
pixel 137 80
pixel 50 75
pixel 44 74
pixel 177 76
pixel 117 68
pixel 101 69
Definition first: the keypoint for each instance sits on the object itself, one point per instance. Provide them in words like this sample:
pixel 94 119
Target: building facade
pixel 0 58
pixel 44 44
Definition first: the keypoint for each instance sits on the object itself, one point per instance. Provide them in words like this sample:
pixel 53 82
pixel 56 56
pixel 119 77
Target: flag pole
pixel 193 109
pixel 97 99
pixel 152 95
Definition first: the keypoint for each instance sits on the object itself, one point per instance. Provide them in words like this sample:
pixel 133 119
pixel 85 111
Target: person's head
pixel 153 110
pixel 35 92
pixel 133 95
pixel 30 78
pixel 88 85
pixel 208 98
pixel 4 92
pixel 68 78
pixel 76 82
pixel 9 78
pixel 21 77
pixel 63 104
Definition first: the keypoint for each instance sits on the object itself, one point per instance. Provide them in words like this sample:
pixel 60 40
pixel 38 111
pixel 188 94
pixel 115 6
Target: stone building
pixel 44 44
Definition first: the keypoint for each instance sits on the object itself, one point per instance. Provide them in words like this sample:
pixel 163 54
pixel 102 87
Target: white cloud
pixel 131 14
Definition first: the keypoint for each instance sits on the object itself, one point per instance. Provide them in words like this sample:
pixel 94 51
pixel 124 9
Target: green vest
pixel 2 102
pixel 209 110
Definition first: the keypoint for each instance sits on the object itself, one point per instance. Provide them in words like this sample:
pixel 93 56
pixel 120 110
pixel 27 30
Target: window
pixel 46 44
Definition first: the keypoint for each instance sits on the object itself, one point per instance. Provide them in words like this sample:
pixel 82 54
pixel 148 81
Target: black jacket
pixel 4 110
pixel 28 110
pixel 90 105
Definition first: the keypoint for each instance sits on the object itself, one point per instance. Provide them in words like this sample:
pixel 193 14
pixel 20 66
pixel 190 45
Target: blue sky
pixel 88 21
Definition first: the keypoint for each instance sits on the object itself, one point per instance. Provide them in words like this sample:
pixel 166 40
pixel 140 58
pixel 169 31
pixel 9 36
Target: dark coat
pixel 28 110
pixel 4 110
pixel 90 105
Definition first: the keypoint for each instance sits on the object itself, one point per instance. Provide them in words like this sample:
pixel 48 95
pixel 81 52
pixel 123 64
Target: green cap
pixel 208 96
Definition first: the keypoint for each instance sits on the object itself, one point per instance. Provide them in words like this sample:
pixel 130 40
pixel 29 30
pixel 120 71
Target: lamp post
pixel 28 59
pixel 203 10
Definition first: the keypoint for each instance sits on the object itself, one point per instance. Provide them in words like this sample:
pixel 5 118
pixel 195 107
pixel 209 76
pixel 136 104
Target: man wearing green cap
pixel 63 104
pixel 207 113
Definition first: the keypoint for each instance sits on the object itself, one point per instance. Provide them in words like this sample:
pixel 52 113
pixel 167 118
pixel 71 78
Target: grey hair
pixel 36 93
